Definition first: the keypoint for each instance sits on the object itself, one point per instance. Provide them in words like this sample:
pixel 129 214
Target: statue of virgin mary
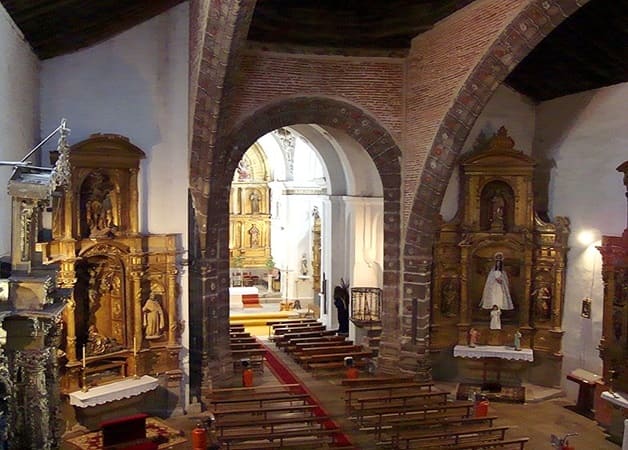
pixel 496 290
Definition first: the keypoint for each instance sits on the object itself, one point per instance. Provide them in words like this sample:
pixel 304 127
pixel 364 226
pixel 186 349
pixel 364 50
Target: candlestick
pixel 84 357
pixel 134 346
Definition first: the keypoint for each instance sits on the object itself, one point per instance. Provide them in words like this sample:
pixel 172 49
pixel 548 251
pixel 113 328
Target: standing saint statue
pixel 497 212
pixel 254 234
pixel 496 318
pixel 254 199
pixel 154 318
pixel 496 290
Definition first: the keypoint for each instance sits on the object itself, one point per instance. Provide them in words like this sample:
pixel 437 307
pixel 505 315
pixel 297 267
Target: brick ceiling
pixel 587 51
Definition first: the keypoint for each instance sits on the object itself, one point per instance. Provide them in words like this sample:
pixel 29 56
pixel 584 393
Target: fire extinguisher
pixel 481 407
pixel 199 437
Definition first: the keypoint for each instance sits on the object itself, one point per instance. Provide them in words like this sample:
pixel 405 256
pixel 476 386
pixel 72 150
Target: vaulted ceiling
pixel 587 51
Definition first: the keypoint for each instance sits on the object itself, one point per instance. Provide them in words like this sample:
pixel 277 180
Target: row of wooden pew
pixel 245 346
pixel 272 417
pixel 405 414
pixel 313 346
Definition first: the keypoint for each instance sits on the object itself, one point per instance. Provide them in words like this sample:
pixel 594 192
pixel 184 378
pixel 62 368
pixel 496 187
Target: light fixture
pixel 587 237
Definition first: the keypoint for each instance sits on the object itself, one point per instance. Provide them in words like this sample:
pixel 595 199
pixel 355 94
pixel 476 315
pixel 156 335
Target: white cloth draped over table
pixel 496 291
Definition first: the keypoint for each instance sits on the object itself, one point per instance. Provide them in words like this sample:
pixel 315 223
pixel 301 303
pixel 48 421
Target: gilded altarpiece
pixel 122 319
pixel 249 212
pixel 496 220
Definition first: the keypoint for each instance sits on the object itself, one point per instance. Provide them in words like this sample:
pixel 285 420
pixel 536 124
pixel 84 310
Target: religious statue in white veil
pixel 496 289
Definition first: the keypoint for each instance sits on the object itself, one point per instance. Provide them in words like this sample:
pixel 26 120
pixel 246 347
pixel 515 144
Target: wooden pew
pixel 245 345
pixel 290 344
pixel 256 357
pixel 400 400
pixel 277 333
pixel 373 417
pixel 242 340
pixel 264 389
pixel 239 334
pixel 278 439
pixel 369 381
pixel 270 323
pixel 304 354
pixel 224 426
pixel 333 360
pixel 384 388
pixel 253 412
pixel 441 439
pixel 393 426
pixel 260 400
pixel 287 337
pixel 508 444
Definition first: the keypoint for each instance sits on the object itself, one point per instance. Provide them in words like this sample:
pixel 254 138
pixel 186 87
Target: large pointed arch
pixel 517 39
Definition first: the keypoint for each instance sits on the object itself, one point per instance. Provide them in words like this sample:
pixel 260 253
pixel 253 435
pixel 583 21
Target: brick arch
pixel 339 114
pixel 525 31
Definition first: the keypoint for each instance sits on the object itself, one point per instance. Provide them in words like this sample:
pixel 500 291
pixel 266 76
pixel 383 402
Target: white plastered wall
pixel 19 112
pixel 135 85
pixel 586 137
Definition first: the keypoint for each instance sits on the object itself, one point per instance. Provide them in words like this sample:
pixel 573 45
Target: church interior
pixel 314 224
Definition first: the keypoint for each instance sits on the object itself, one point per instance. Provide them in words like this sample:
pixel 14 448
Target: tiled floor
pixel 536 420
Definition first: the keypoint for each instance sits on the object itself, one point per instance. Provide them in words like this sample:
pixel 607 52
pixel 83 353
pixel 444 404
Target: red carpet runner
pixel 286 376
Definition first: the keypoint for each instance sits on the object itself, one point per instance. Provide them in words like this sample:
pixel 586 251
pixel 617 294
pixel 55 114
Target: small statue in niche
pixel 496 291
pixel 496 321
pixel 154 320
pixel 517 340
pixel 254 199
pixel 542 303
pixel 497 212
pixel 474 336
pixel 304 268
pixel 254 235
pixel 449 295
pixel 100 205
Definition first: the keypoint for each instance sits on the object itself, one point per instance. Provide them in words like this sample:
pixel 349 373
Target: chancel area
pixel 410 220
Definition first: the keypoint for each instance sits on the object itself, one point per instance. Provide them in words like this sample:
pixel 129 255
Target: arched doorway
pixel 321 219
pixel 209 312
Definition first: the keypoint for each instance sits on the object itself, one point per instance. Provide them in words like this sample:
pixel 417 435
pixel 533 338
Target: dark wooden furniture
pixel 587 382
pixel 126 433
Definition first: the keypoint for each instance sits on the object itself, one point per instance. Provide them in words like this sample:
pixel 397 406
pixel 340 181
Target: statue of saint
pixel 496 290
pixel 449 293
pixel 497 212
pixel 517 340
pixel 474 335
pixel 153 318
pixel 254 198
pixel 254 234
pixel 304 265
pixel 542 303
pixel 496 320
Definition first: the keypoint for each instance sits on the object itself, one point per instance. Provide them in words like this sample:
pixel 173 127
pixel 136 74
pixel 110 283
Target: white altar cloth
pixel 493 351
pixel 129 387
pixel 616 398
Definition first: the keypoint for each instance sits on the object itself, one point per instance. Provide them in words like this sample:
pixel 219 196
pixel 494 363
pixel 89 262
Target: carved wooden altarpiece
pixel 122 319
pixel 497 217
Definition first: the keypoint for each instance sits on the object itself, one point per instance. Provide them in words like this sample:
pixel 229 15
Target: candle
pixel 84 357
pixel 134 346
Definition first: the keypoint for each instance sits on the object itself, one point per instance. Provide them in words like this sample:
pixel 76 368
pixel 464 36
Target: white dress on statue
pixel 496 291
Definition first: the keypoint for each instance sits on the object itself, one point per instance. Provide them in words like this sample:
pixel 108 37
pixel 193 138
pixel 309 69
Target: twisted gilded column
pixel 172 307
